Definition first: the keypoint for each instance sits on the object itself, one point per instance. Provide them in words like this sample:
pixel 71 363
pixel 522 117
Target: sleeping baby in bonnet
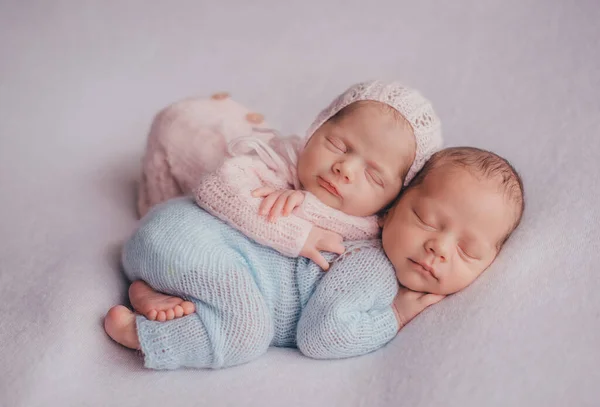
pixel 357 155
pixel 446 228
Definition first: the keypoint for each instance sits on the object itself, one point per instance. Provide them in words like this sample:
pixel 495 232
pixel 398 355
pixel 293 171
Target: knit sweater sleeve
pixel 226 194
pixel 348 226
pixel 350 312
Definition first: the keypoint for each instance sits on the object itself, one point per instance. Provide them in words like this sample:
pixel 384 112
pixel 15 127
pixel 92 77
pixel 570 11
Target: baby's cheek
pixel 396 246
pixel 457 279
pixel 370 201
pixel 410 239
pixel 304 169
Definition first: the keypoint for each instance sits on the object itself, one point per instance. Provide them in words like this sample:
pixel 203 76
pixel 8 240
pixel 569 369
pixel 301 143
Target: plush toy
pixel 189 138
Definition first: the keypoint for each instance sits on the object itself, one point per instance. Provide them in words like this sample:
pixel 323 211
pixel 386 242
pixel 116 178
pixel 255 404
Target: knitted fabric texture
pixel 249 297
pixel 279 153
pixel 189 138
pixel 417 110
pixel 226 194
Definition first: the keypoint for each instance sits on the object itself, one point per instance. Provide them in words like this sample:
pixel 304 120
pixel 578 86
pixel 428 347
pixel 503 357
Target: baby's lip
pixel 328 186
pixel 425 267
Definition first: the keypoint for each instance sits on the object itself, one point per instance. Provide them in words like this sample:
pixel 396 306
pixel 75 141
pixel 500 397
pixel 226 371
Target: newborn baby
pixel 447 228
pixel 356 156
pixel 360 151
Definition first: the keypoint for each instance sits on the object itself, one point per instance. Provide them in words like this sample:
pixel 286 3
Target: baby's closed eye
pixel 375 177
pixel 336 144
pixel 421 220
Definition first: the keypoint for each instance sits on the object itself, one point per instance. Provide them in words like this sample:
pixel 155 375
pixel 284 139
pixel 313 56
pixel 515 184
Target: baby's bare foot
pixel 157 306
pixel 119 324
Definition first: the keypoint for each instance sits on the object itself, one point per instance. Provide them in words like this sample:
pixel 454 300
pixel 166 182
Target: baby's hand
pixel 408 304
pixel 322 240
pixel 277 202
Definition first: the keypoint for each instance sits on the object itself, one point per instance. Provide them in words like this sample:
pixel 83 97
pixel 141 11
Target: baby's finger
pixel 431 299
pixel 332 246
pixel 412 295
pixel 278 206
pixel 267 203
pixel 294 200
pixel 262 191
pixel 402 290
pixel 319 260
pixel 332 242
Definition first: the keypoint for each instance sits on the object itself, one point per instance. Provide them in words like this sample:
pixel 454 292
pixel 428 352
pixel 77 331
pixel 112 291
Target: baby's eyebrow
pixel 376 166
pixel 471 238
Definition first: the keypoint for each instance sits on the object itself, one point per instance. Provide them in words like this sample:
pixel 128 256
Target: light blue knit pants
pixel 180 249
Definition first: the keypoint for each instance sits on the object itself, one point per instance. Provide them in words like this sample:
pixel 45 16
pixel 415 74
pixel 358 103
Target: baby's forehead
pixel 387 141
pixel 473 195
pixel 460 177
pixel 373 110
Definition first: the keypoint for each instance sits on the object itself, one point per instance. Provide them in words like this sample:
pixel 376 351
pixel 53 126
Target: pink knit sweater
pixel 226 193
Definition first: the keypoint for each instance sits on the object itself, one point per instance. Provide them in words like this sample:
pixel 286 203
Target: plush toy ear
pixel 255 118
pixel 251 117
pixel 223 114
pixel 220 96
pixel 189 138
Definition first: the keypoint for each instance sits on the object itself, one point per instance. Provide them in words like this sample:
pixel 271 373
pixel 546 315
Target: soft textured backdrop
pixel 81 80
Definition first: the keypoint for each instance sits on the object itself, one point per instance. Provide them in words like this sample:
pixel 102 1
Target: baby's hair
pixel 484 164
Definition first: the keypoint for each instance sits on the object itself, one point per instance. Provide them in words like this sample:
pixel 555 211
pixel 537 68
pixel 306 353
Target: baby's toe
pixel 161 317
pixel 178 311
pixel 170 314
pixel 152 315
pixel 188 307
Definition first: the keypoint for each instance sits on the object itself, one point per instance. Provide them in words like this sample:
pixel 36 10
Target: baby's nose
pixel 342 173
pixel 439 248
pixel 346 170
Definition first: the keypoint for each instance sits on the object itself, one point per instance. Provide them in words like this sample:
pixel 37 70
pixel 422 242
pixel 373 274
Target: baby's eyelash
pixel 422 221
pixel 338 145
pixel 467 254
pixel 375 178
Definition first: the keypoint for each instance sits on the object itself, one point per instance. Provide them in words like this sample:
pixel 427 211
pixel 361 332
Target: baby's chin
pixel 324 196
pixel 348 206
pixel 414 282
